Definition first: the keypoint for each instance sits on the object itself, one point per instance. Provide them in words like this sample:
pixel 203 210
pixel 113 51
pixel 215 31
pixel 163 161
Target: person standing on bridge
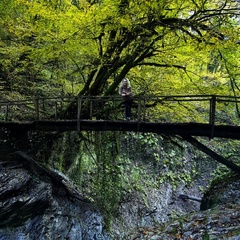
pixel 125 90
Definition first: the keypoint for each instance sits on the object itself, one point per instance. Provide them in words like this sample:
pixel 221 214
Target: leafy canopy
pixel 87 47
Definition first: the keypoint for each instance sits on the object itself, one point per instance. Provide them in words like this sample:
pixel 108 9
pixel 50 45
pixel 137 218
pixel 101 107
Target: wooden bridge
pixel 191 115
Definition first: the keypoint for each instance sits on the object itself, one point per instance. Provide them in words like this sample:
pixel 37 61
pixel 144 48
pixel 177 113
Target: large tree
pixel 87 47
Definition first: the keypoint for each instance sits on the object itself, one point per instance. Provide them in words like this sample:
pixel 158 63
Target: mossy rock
pixel 223 191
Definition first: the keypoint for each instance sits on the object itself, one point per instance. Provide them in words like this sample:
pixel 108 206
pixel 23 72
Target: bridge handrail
pixel 141 100
pixel 148 97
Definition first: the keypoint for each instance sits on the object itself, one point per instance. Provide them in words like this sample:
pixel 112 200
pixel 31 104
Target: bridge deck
pixel 182 129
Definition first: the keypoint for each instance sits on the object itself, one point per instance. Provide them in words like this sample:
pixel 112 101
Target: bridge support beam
pixel 212 154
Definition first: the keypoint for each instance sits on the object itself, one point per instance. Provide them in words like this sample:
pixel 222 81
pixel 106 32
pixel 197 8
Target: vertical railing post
pixel 56 103
pixel 212 114
pixel 37 108
pixel 79 108
pixel 144 109
pixel 139 109
pixel 7 111
pixel 91 108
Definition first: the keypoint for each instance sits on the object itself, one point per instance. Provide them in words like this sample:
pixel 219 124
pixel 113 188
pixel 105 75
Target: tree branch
pixel 162 65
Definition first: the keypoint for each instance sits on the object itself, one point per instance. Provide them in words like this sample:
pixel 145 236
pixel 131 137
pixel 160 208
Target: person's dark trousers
pixel 128 106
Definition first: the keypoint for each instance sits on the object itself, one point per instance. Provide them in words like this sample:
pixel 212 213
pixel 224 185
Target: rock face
pixel 225 192
pixel 158 208
pixel 219 218
pixel 36 203
pixel 43 207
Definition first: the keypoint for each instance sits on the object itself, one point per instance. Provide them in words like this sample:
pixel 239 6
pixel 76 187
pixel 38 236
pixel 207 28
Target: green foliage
pixel 229 150
pixel 64 154
pixel 109 166
pixel 71 47
pixel 56 48
pixel 107 183
pixel 165 158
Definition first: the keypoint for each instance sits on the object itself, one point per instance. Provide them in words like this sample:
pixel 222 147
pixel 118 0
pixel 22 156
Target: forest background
pixel 56 48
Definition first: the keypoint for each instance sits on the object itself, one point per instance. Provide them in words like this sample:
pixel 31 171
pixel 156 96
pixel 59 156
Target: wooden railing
pixel 212 109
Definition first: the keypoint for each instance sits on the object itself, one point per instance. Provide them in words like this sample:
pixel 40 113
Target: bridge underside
pixel 182 129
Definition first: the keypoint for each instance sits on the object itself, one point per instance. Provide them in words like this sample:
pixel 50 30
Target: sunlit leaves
pixel 166 45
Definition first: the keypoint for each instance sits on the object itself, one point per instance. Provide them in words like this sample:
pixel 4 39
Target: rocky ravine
pixel 219 217
pixel 40 204
pixel 36 203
